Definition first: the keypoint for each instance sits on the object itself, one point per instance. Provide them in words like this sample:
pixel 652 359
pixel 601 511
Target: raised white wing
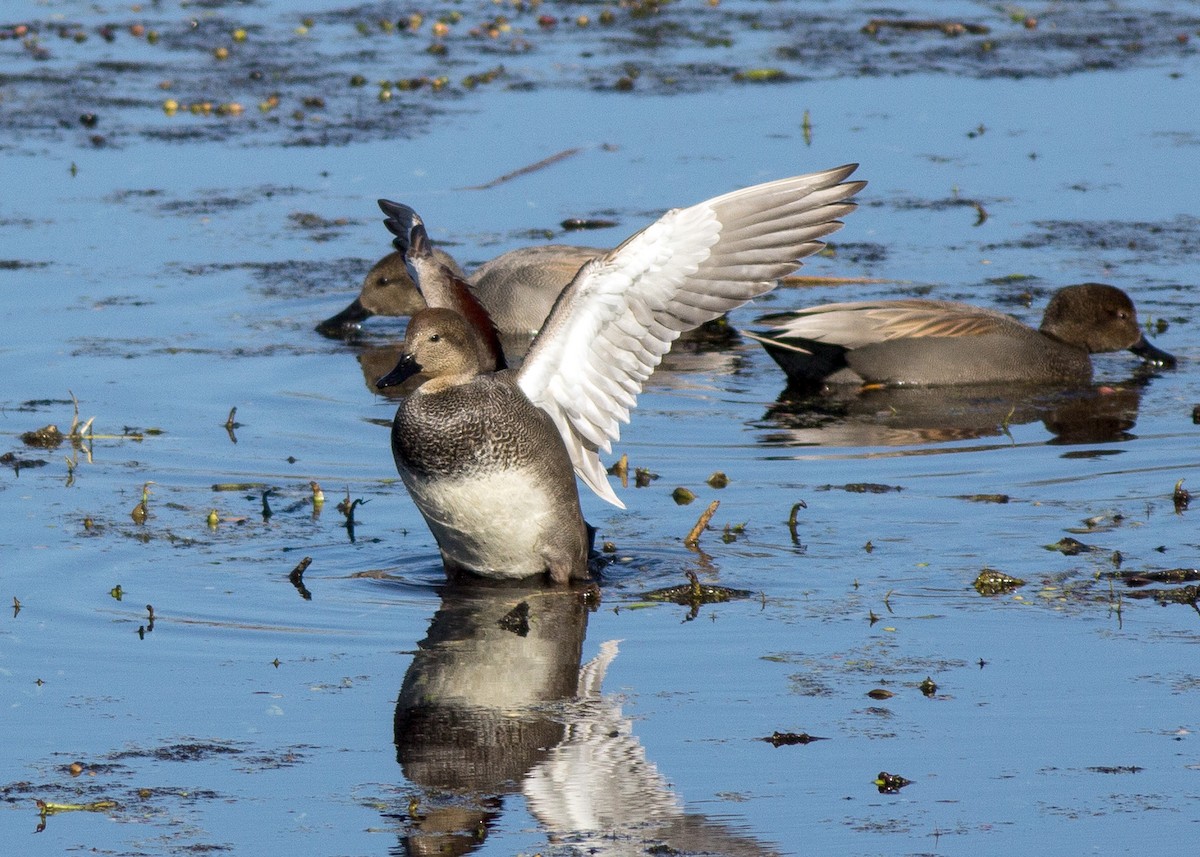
pixel 611 326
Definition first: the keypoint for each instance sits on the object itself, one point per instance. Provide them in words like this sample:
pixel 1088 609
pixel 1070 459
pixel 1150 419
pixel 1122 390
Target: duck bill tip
pixel 1152 354
pixel 347 319
pixel 404 369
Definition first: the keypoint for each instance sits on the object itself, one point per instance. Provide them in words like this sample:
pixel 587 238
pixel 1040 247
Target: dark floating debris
pixel 1170 575
pixel 296 576
pixel 11 459
pixel 789 739
pixel 231 423
pixel 791 521
pixel 694 594
pixel 347 507
pixel 983 498
pixel 47 437
pixel 928 687
pixel 148 627
pixel 862 488
pixel 576 224
pixel 890 784
pixel 1187 595
pixel 1181 497
pixel 991 582
pixel 1072 547
pixel 1116 769
pixel 880 693
pixel 949 28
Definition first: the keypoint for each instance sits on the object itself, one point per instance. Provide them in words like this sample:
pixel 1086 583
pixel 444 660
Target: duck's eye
pixel 437 337
pixel 382 281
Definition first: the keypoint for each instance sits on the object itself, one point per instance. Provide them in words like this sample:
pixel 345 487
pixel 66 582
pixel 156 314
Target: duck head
pixel 441 344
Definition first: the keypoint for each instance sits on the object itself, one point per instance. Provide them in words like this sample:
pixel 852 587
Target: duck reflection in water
pixel 495 703
pixel 908 416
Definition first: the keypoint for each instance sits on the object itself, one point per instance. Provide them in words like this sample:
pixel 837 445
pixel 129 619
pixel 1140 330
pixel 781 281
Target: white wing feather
pixel 611 326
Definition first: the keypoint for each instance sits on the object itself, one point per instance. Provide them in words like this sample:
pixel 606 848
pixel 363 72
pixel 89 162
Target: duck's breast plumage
pixel 489 473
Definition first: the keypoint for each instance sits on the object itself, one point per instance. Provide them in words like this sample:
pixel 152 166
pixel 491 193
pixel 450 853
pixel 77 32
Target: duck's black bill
pixel 345 320
pixel 1153 355
pixel 405 369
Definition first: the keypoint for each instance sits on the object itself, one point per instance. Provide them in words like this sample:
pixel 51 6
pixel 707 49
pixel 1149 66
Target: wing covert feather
pixel 612 325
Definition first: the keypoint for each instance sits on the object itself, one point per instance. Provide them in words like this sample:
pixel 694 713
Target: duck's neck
pixel 442 289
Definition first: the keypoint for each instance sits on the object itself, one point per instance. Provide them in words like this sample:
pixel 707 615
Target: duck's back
pixel 919 342
pixel 519 287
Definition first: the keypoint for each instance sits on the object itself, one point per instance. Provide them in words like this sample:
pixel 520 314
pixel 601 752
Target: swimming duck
pixel 517 288
pixel 923 342
pixel 488 456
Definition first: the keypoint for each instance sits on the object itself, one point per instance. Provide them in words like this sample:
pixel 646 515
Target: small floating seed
pixel 682 496
pixel 760 75
pixel 717 480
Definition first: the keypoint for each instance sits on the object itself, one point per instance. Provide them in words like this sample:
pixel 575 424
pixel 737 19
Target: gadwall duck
pixel 488 456
pixel 516 288
pixel 922 342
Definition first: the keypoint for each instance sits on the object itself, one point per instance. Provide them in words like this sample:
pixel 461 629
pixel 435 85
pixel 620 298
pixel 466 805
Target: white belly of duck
pixel 493 524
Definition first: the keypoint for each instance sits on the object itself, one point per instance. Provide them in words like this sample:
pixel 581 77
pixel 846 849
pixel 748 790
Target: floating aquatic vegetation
pixel 790 739
pixel 890 784
pixel 992 582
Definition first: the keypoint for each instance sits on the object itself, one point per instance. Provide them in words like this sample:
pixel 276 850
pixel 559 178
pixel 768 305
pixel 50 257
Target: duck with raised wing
pixel 516 288
pixel 488 456
pixel 928 343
